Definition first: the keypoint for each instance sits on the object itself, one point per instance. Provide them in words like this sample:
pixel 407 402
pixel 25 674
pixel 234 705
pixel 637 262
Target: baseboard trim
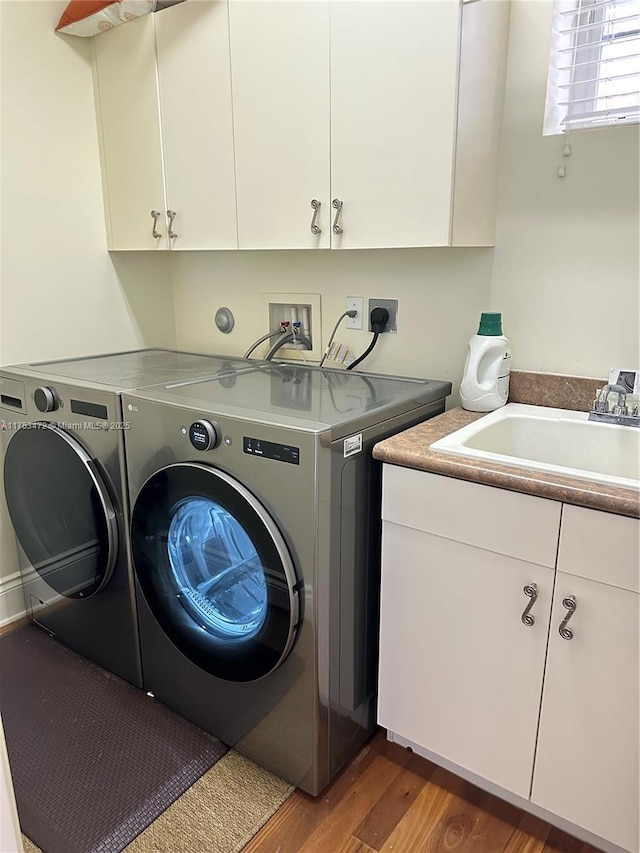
pixel 11 599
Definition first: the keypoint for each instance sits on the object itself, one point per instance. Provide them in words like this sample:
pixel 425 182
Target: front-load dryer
pixel 255 539
pixel 62 430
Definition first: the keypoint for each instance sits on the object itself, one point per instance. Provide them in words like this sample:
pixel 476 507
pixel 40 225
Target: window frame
pixel 573 87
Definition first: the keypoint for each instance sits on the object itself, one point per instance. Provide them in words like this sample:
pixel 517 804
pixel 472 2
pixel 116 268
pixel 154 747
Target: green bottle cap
pixel 490 324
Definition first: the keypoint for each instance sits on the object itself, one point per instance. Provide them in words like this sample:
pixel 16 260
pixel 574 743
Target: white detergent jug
pixel 485 380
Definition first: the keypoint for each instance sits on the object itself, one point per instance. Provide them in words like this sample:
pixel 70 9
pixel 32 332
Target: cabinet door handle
pixel 154 215
pixel 337 204
pixel 570 603
pixel 315 228
pixel 171 215
pixel 531 590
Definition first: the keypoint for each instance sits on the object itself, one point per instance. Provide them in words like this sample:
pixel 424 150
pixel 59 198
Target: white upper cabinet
pixel 336 124
pixel 131 149
pixel 386 113
pixel 280 73
pixel 197 131
pixel 394 77
pixel 164 108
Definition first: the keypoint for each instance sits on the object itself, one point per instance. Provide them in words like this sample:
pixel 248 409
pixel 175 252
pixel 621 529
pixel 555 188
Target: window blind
pixel 594 67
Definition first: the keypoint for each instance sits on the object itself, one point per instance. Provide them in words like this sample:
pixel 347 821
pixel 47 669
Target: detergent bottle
pixel 485 380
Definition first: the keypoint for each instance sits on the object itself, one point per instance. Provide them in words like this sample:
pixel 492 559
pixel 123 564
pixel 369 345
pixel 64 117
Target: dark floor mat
pixel 93 759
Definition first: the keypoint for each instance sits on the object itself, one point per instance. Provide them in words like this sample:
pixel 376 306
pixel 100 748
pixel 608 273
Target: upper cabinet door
pixel 394 77
pixel 280 79
pixel 197 131
pixel 130 137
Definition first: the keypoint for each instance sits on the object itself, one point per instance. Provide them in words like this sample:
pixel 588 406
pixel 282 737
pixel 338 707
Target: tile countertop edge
pixel 410 449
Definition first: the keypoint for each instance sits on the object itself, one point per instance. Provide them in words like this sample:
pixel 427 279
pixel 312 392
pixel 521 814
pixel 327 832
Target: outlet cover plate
pixel 355 303
pixel 392 307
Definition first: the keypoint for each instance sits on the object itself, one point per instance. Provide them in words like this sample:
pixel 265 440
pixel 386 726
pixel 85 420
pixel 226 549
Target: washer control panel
pixel 270 450
pixel 46 399
pixel 204 435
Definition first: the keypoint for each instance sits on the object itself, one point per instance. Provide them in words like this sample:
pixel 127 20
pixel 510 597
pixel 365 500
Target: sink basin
pixel 546 439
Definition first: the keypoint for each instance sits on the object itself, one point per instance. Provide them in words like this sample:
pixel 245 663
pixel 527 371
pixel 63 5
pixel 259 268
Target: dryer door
pixel 61 510
pixel 215 571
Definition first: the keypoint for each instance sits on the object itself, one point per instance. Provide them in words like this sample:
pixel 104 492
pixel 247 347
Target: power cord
pixel 374 341
pixel 379 319
pixel 351 313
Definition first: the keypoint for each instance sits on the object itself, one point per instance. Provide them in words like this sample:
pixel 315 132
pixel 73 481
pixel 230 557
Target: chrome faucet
pixel 601 404
pixel 620 413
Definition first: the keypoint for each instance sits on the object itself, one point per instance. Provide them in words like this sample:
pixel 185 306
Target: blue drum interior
pixel 219 578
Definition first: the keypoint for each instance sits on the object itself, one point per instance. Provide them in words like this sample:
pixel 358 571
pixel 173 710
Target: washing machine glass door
pixel 61 510
pixel 215 571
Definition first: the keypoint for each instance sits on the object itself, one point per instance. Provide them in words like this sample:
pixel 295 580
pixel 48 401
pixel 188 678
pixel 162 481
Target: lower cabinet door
pixel 460 671
pixel 587 759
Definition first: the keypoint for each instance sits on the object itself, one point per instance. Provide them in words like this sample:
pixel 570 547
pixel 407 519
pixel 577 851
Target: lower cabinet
pixel 522 674
pixel 587 758
pixel 460 672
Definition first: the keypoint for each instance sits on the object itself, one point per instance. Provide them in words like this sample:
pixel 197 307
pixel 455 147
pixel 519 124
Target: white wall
pixel 440 293
pixel 60 293
pixel 566 260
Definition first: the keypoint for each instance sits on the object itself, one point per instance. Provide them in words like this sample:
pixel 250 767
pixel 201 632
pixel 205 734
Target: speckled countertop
pixel 410 449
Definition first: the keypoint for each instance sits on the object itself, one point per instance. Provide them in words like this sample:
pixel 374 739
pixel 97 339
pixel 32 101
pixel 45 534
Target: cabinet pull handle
pixel 570 603
pixel 154 215
pixel 337 204
pixel 531 590
pixel 315 228
pixel 171 215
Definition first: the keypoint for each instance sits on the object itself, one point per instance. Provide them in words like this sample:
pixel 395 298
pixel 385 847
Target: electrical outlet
pixel 392 307
pixel 355 303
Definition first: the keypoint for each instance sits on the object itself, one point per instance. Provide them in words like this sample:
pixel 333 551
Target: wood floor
pixel 391 800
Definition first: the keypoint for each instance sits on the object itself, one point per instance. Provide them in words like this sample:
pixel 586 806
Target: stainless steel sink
pixel 547 439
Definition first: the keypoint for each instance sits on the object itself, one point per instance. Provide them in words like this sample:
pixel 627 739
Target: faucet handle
pixel 620 407
pixel 601 403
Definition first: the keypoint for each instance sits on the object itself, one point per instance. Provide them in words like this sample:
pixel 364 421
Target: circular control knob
pixel 46 399
pixel 204 435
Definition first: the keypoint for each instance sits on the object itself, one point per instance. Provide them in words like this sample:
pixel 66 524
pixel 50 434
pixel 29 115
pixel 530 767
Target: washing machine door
pixel 61 510
pixel 215 571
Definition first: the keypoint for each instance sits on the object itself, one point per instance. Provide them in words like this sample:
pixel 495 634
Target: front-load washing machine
pixel 65 486
pixel 255 538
